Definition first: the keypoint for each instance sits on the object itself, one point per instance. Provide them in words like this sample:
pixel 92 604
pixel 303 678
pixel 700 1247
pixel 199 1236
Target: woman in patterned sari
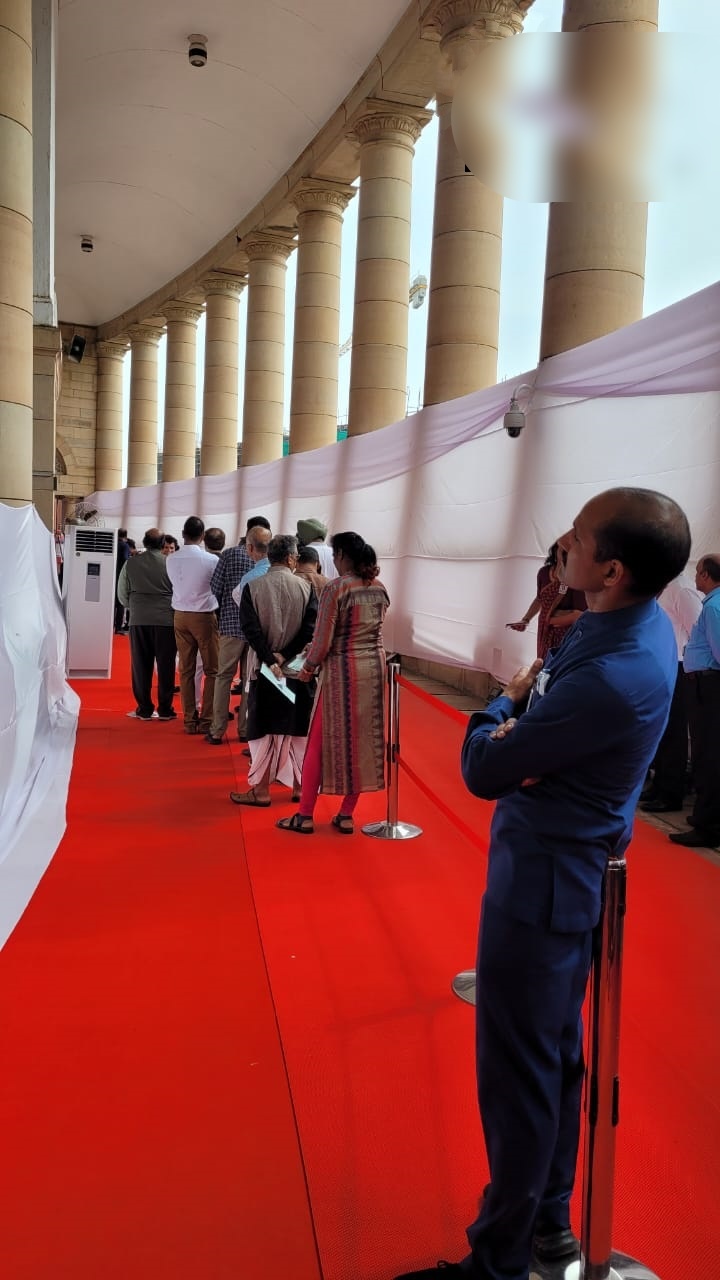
pixel 345 752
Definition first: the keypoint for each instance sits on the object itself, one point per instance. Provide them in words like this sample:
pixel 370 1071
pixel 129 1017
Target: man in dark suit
pixel 564 751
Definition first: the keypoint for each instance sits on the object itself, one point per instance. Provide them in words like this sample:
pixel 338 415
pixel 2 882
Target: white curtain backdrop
pixel 460 514
pixel 38 710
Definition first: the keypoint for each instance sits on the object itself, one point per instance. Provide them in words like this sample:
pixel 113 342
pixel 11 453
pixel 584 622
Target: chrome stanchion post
pixel 392 828
pixel 598 1261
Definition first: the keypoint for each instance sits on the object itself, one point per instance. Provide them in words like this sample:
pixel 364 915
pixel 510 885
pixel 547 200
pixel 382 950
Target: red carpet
pixel 148 1126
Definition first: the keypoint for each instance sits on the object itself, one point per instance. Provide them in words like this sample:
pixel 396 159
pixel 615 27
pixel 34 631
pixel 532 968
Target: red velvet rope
pixel 460 717
pixel 445 809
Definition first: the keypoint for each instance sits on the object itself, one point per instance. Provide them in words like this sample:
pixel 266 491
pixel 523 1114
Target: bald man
pixel 145 589
pixel 564 751
pixel 701 661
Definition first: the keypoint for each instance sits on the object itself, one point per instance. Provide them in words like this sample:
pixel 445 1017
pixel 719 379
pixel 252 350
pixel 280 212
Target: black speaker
pixel 76 350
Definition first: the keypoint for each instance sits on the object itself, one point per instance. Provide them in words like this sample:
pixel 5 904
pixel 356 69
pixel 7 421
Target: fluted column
pixel 109 429
pixel 180 426
pixel 143 443
pixel 464 303
pixel 595 265
pixel 218 446
pixel 262 436
pixel 387 134
pixel 314 395
pixel 16 253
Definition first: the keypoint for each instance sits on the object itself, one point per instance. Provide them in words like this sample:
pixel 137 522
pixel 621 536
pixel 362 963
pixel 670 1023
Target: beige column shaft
pixel 16 253
pixel 262 437
pixel 143 448
pixel 218 446
pixel 314 395
pixel 595 265
pixel 109 429
pixel 180 427
pixel 378 368
pixel 47 355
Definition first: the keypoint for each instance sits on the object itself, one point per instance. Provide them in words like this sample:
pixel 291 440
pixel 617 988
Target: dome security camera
pixel 197 51
pixel 86 244
pixel 514 419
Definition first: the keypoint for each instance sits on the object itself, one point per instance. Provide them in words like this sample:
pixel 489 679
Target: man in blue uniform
pixel 566 768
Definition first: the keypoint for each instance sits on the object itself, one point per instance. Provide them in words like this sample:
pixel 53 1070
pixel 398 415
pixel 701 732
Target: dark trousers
pixel 119 614
pixel 150 645
pixel 704 709
pixel 530 990
pixel 671 757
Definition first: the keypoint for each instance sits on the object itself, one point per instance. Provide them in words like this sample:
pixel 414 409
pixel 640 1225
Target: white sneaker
pixel 134 715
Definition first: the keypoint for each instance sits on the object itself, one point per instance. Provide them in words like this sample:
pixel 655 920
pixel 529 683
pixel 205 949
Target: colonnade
pixel 594 282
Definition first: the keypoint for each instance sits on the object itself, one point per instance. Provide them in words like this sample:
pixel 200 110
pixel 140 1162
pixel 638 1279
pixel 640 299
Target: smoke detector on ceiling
pixel 197 51
pixel 86 244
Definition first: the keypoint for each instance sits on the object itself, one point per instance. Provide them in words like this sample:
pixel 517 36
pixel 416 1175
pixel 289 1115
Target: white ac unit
pixel 89 599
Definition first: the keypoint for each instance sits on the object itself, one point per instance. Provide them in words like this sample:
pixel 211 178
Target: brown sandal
pixel 249 798
pixel 299 823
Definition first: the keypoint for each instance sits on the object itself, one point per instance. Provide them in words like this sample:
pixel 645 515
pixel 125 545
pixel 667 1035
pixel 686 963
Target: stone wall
pixel 476 684
pixel 77 416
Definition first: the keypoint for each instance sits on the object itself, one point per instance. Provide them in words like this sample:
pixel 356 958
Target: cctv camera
pixel 197 51
pixel 514 420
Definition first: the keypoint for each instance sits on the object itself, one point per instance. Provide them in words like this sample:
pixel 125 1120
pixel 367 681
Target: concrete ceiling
pixel 157 160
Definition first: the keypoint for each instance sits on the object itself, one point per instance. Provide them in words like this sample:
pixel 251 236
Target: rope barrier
pixel 445 809
pixel 452 713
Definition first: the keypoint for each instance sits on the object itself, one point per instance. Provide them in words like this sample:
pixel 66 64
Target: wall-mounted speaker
pixel 76 349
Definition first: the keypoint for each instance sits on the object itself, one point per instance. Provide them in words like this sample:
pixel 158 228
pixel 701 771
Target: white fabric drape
pixel 38 710
pixel 459 514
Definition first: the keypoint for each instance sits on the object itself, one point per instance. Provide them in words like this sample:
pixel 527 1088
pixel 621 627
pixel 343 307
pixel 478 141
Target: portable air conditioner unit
pixel 89 599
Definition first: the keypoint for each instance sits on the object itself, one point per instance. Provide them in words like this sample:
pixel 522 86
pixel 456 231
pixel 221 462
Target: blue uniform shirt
pixel 587 739
pixel 702 651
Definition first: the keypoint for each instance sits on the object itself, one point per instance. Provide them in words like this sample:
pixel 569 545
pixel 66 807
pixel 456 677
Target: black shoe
pixel 167 715
pixel 216 742
pixel 555 1246
pixel 660 806
pixel 432 1273
pixel 696 839
pixel 236 689
pixel 176 689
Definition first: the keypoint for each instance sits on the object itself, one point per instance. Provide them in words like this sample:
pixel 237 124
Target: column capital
pixel 111 350
pixel 144 333
pixel 223 283
pixel 177 310
pixel 394 121
pixel 462 25
pixel 314 195
pixel 269 246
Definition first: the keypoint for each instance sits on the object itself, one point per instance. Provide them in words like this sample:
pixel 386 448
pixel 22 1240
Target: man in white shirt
pixel 190 571
pixel 312 533
pixel 682 603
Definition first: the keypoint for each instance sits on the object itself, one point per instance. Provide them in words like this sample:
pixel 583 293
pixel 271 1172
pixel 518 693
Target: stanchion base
pixel 463 985
pixel 392 830
pixel 621 1268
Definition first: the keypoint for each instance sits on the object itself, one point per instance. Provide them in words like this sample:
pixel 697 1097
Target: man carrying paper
pixel 277 614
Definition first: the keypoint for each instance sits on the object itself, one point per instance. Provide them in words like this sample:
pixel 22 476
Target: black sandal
pixel 299 823
pixel 340 821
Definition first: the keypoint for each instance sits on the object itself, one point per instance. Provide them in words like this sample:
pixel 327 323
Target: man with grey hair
pixel 277 612
pixel 144 588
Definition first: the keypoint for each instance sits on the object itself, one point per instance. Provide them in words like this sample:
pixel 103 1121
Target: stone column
pixel 262 437
pixel 180 427
pixel 143 444
pixel 16 253
pixel 464 302
pixel 218 446
pixel 47 355
pixel 595 265
pixel 314 395
pixel 109 428
pixel 387 133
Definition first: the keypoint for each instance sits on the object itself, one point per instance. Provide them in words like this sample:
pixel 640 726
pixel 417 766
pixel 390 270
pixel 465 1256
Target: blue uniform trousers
pixel 530 990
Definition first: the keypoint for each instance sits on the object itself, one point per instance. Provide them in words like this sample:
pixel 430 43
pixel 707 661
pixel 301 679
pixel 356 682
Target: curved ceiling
pixel 157 160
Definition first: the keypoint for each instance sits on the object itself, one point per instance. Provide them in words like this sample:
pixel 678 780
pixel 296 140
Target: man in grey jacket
pixel 145 589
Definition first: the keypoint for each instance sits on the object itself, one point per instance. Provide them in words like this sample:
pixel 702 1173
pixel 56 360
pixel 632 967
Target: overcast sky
pixel 683 249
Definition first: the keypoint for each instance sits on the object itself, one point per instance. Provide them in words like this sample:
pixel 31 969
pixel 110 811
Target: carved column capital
pixel 222 282
pixel 462 25
pixel 144 333
pixel 394 121
pixel 176 310
pixel 269 246
pixel 111 350
pixel 314 195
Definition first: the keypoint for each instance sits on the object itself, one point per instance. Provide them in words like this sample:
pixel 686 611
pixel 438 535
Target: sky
pixel 683 247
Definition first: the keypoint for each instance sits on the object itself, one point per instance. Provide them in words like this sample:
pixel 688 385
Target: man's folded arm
pixel 580 716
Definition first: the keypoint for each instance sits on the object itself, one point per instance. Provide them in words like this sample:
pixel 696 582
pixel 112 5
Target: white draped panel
pixel 38 710
pixel 459 514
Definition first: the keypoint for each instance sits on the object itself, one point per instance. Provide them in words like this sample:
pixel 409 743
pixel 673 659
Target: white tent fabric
pixel 38 710
pixel 459 514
